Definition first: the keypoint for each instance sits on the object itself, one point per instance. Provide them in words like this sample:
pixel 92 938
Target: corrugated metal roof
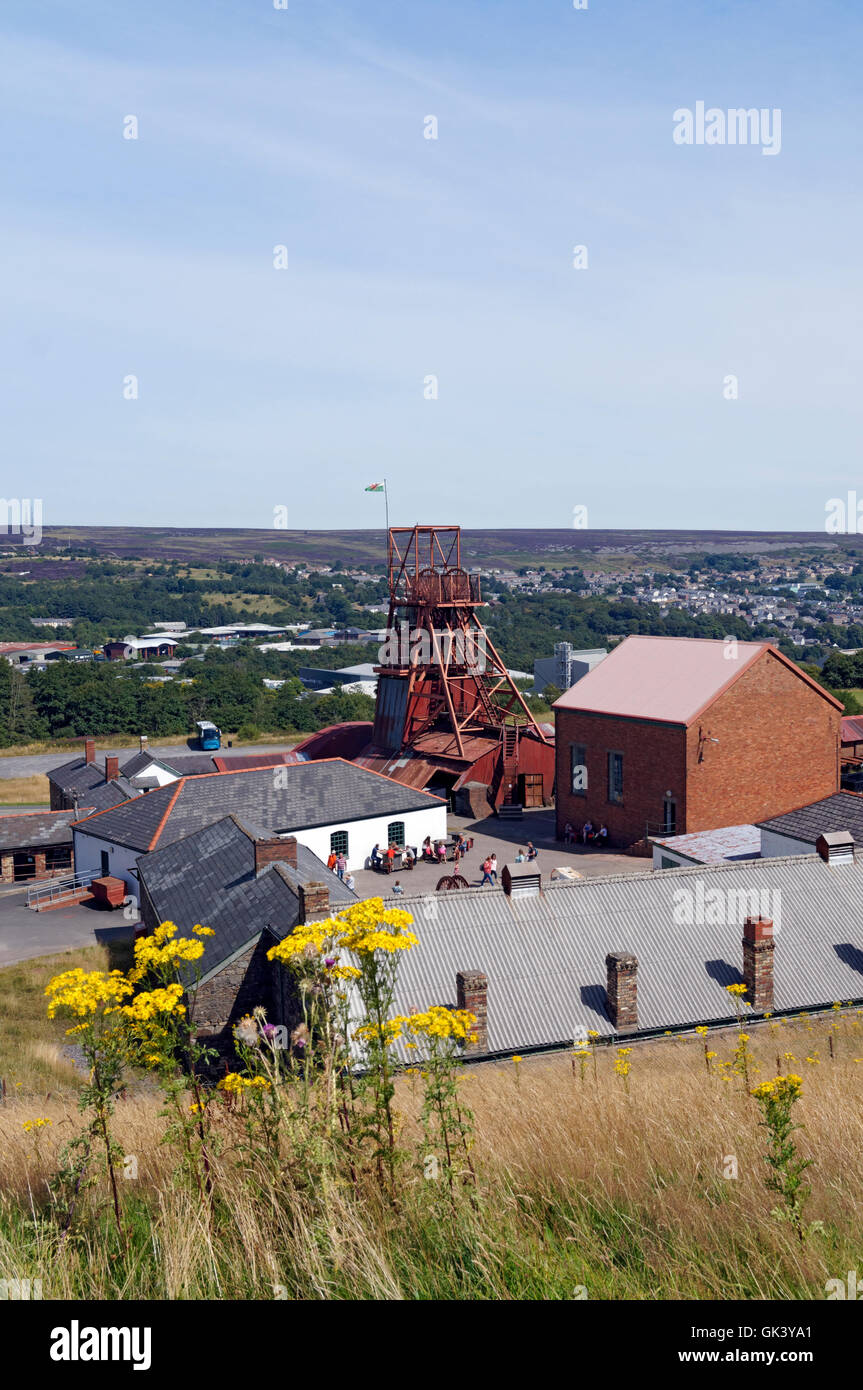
pixel 712 846
pixel 545 956
pixel 852 730
pixel 671 679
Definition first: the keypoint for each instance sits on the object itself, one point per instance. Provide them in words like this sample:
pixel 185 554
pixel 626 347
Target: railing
pixel 660 829
pixel 49 890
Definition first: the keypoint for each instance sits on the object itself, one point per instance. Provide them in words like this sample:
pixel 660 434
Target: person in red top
pixel 331 861
pixel 391 855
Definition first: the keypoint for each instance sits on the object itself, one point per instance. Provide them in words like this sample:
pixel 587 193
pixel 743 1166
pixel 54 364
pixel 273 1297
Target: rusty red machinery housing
pixel 448 715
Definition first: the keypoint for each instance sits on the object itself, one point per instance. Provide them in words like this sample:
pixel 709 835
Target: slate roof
pixel 209 878
pixel 843 811
pixel 544 956
pixel 87 782
pixel 669 679
pixel 24 829
pixel 327 792
pixel 183 765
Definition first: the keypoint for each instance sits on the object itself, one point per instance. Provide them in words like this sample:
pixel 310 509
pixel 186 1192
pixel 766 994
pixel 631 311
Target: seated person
pixel 407 859
pixel 586 831
pixel 376 857
pixel 602 834
pixel 427 848
pixel 568 834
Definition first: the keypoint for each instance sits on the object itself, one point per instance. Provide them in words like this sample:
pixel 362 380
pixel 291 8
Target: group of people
pixel 387 859
pixel 435 851
pixel 338 864
pixel 589 834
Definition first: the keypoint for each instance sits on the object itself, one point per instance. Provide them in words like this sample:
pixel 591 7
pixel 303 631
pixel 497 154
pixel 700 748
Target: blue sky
pixel 407 258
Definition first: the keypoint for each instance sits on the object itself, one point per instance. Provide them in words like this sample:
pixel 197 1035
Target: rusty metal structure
pixel 448 716
pixel 442 674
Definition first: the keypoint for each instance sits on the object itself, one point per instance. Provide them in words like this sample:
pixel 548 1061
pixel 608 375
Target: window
pixel 396 833
pixel 58 857
pixel 578 769
pixel 339 842
pixel 615 777
pixel 666 863
pixel 669 817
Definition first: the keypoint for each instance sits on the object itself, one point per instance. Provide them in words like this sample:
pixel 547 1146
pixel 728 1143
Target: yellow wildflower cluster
pixel 85 993
pixel 622 1065
pixel 439 1022
pixel 28 1125
pixel 150 1004
pixel 388 1031
pixel 161 949
pixel 235 1084
pixel 364 928
pixel 788 1087
pixel 736 989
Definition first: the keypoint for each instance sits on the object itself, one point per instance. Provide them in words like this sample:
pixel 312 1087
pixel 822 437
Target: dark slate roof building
pixel 224 877
pixel 35 829
pixel 308 794
pixel 844 811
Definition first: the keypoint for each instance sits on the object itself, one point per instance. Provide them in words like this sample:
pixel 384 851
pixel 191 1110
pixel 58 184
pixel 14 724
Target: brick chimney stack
pixel 275 851
pixel 112 767
pixel 472 994
pixel 758 947
pixel 314 901
pixel 622 990
pixel 89 750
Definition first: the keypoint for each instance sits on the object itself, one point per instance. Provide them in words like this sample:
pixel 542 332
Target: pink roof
pixel 667 678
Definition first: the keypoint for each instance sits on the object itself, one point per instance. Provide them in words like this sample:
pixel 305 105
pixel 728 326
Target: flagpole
pixel 387 507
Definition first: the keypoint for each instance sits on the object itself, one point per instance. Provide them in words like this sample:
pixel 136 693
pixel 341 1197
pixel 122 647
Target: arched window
pixel 396 833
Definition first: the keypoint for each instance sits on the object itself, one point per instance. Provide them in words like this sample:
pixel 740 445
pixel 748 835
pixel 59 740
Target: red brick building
pixel 676 734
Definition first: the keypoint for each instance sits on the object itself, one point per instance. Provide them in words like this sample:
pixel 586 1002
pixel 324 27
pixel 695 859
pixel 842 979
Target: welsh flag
pixel 375 487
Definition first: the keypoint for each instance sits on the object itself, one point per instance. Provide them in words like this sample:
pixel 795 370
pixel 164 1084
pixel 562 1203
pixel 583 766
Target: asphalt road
pixel 27 765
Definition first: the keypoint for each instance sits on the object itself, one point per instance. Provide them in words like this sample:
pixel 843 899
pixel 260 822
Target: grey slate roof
pixel 844 811
pixel 209 878
pixel 183 765
pixel 87 782
pixel 36 829
pixel 328 792
pixel 545 956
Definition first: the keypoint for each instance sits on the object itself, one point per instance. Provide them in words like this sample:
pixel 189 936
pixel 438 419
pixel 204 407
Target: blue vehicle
pixel 208 735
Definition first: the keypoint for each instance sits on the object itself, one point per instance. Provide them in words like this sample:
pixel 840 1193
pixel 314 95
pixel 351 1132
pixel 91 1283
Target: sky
pixel 162 362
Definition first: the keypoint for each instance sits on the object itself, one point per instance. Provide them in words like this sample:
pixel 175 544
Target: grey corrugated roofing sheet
pixel 283 799
pixel 545 956
pixel 843 811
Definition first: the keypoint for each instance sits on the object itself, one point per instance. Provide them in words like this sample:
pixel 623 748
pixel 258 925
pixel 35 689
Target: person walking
pixel 532 852
pixel 341 865
pixel 486 873
pixel 397 888
pixel 331 860
pixel 492 867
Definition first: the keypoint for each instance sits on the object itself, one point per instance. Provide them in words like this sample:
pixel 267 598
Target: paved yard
pixel 25 934
pixel 503 838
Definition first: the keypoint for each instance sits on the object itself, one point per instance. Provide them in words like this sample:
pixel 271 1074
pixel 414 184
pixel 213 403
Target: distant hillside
pixel 552 547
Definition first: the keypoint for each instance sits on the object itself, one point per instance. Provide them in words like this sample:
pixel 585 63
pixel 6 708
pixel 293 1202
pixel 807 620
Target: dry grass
pixel 25 791
pixel 619 1189
pixel 32 1061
